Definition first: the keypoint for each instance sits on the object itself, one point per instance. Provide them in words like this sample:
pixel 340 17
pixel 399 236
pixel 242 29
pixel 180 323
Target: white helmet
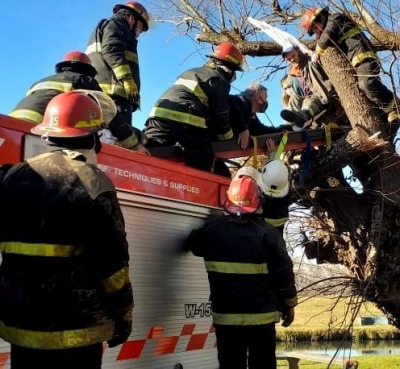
pixel 250 172
pixel 275 179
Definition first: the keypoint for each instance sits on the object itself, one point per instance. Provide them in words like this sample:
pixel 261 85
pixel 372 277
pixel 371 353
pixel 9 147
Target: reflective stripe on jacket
pixel 249 270
pixel 33 106
pixel 112 49
pixel 342 32
pixel 199 97
pixel 64 272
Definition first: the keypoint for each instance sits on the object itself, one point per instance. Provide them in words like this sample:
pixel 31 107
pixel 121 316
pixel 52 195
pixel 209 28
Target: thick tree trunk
pixel 359 230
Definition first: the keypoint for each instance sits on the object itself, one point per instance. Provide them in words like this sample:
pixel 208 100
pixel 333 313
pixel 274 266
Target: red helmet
pixel 70 114
pixel 138 10
pixel 79 60
pixel 229 53
pixel 309 17
pixel 243 196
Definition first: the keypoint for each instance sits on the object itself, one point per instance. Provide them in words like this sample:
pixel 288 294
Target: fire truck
pixel 162 201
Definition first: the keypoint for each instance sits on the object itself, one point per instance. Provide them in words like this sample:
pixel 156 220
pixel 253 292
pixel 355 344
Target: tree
pixel 359 231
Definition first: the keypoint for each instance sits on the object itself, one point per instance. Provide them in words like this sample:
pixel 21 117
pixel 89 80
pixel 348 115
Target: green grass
pixel 328 319
pixel 367 362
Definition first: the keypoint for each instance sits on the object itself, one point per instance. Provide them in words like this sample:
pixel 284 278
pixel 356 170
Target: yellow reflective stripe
pixel 88 123
pixel 177 116
pixel 350 33
pixel 130 142
pixel 359 58
pixel 236 268
pixel 131 56
pixel 194 87
pixel 291 302
pixel 122 71
pixel 246 319
pixel 226 136
pixel 116 281
pixel 27 114
pixel 328 136
pixel 319 50
pixel 113 89
pixel 40 249
pixel 95 47
pixel 56 340
pixel 51 85
pixel 276 222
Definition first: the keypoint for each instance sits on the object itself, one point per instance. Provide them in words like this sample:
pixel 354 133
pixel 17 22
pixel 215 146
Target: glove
pixel 123 329
pixel 287 316
pixel 131 90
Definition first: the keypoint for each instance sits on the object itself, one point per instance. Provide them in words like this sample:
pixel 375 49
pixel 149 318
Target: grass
pixel 369 362
pixel 326 319
pixel 330 319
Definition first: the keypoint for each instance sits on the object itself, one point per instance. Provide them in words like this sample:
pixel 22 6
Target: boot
pixel 299 118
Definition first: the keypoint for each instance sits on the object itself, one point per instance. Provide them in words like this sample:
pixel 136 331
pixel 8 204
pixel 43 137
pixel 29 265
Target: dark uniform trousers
pixel 90 357
pixel 235 341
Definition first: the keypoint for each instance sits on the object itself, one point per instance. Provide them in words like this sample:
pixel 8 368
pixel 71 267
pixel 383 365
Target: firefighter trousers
pixel 242 347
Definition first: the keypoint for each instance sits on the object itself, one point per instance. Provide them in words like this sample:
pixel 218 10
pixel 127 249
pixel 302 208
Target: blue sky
pixel 35 35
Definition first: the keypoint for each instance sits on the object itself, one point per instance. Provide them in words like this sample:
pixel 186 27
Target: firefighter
pixel 112 48
pixel 64 282
pixel 196 108
pixel 251 278
pixel 74 72
pixel 243 109
pixel 310 86
pixel 340 31
pixel 275 187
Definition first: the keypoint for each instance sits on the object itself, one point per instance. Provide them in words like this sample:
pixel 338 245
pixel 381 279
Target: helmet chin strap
pixel 90 155
pixel 228 72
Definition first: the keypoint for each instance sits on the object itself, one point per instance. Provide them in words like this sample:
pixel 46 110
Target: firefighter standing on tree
pixel 74 72
pixel 338 30
pixel 113 50
pixel 64 282
pixel 251 279
pixel 196 107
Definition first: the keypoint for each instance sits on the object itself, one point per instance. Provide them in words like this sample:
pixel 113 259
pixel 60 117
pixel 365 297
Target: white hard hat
pixel 250 172
pixel 275 179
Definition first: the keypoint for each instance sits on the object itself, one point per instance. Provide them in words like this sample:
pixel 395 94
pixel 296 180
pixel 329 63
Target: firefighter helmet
pixel 310 16
pixel 79 60
pixel 243 196
pixel 228 53
pixel 138 10
pixel 250 172
pixel 275 179
pixel 71 114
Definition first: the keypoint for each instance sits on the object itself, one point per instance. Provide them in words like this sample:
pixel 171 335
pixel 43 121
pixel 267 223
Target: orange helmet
pixel 243 196
pixel 70 114
pixel 229 53
pixel 309 17
pixel 79 60
pixel 138 10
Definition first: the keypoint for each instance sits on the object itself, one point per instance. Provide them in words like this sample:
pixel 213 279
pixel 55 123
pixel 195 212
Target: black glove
pixel 287 316
pixel 123 329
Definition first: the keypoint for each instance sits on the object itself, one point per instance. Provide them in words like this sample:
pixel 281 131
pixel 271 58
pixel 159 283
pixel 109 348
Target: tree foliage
pixel 358 230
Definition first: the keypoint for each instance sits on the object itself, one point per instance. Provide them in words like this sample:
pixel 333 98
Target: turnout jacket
pixel 112 48
pixel 342 32
pixel 242 118
pixel 198 97
pixel 249 270
pixel 64 272
pixel 33 106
